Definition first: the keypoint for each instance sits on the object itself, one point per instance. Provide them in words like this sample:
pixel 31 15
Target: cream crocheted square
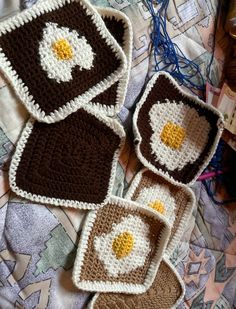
pixel 176 134
pixel 120 248
pixel 58 56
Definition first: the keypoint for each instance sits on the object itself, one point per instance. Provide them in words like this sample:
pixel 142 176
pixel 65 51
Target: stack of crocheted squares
pixel 175 135
pixel 73 86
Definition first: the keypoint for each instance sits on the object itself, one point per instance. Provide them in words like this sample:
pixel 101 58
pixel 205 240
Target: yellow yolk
pixel 123 244
pixel 62 49
pixel 173 135
pixel 158 206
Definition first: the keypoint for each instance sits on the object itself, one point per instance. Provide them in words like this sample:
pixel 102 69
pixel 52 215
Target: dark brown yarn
pixel 21 47
pixel 70 159
pixel 162 90
pixel 116 28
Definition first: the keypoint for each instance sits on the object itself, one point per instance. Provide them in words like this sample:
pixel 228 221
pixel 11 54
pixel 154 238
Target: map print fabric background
pixel 38 242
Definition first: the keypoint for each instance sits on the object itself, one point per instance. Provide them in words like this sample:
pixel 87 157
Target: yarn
pixel 148 190
pixel 176 134
pixel 120 248
pixel 168 53
pixel 165 292
pixel 62 77
pixel 56 163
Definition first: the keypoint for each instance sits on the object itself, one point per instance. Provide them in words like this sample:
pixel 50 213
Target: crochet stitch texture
pixel 176 133
pixel 68 152
pixel 63 173
pixel 52 88
pixel 120 248
pixel 165 292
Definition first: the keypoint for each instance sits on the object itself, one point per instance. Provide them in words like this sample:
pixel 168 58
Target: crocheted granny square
pixel 173 201
pixel 120 248
pixel 120 27
pixel 58 55
pixel 166 292
pixel 176 133
pixel 68 163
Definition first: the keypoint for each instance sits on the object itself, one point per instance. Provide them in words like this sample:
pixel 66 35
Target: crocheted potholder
pixel 68 163
pixel 58 55
pixel 166 291
pixel 176 133
pixel 120 27
pixel 173 201
pixel 120 248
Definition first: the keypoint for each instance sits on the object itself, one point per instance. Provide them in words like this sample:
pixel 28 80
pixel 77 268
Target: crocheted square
pixel 166 292
pixel 173 201
pixel 58 55
pixel 176 133
pixel 120 248
pixel 120 27
pixel 68 163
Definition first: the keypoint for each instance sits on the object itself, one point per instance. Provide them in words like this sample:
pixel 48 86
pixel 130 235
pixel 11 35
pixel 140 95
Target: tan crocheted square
pixel 120 248
pixel 165 292
pixel 177 201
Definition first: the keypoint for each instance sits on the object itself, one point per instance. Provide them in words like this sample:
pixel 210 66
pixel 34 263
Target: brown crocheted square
pixel 71 162
pixel 59 56
pixel 176 133
pixel 120 248
pixel 120 27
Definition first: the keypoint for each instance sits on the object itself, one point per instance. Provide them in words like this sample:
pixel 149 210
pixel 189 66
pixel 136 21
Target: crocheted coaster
pixel 173 201
pixel 120 27
pixel 176 133
pixel 73 57
pixel 166 292
pixel 68 163
pixel 120 248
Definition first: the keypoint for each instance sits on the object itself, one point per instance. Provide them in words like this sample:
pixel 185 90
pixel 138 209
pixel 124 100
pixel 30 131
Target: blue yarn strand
pixel 167 55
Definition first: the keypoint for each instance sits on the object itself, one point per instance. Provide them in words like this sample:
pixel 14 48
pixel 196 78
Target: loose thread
pixel 167 55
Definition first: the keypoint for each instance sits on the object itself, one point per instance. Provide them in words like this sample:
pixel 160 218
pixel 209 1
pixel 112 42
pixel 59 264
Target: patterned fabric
pixel 43 239
pixel 89 143
pixel 120 248
pixel 70 64
pixel 176 134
